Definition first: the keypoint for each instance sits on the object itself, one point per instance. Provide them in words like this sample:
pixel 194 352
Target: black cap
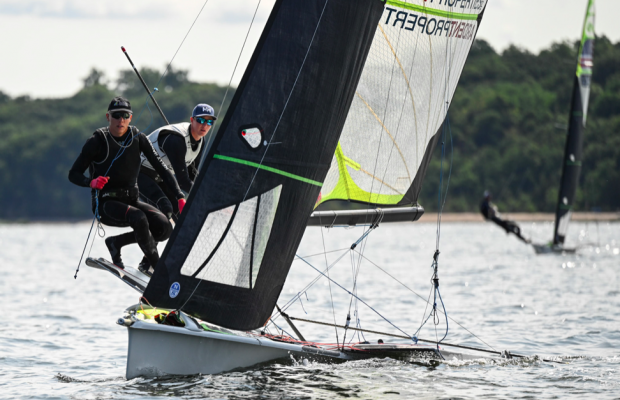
pixel 120 104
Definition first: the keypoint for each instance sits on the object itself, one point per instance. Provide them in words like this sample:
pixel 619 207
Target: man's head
pixel 203 118
pixel 487 194
pixel 119 115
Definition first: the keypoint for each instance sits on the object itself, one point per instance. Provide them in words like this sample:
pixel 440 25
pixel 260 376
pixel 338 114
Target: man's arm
pixel 87 156
pixel 149 152
pixel 175 149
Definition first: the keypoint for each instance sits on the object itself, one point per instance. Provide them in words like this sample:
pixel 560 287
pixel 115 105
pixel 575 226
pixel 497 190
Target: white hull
pixel 156 350
pixel 550 249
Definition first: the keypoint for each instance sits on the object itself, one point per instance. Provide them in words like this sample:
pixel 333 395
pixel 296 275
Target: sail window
pixel 236 240
pixel 210 234
pixel 252 136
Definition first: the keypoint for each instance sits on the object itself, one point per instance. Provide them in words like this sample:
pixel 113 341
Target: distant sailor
pixel 180 146
pixel 112 156
pixel 490 212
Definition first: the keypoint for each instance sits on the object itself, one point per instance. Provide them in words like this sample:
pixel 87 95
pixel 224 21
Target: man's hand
pixel 99 182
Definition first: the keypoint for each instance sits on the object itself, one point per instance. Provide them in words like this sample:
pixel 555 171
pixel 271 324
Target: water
pixel 59 339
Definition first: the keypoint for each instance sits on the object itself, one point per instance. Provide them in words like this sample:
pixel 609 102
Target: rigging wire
pixel 330 288
pixel 366 304
pixel 426 300
pixel 181 45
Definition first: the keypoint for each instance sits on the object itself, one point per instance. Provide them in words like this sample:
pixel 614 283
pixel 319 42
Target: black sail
pixel 571 166
pixel 229 256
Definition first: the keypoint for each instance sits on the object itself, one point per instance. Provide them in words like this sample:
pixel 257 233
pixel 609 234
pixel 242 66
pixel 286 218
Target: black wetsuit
pixel 117 203
pixel 152 187
pixel 489 212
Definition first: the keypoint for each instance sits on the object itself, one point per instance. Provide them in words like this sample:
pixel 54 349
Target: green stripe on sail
pixel 432 11
pixel 266 168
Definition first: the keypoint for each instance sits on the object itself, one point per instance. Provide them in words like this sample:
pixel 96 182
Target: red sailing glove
pixel 181 205
pixel 99 182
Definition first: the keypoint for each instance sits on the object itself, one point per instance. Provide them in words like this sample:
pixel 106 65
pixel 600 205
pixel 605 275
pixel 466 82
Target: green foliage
pixel 509 121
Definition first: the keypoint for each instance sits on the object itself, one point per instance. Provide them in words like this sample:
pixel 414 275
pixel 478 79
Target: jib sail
pixel 577 121
pixel 399 107
pixel 229 256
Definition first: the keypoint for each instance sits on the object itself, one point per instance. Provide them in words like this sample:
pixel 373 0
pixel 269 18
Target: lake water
pixel 59 339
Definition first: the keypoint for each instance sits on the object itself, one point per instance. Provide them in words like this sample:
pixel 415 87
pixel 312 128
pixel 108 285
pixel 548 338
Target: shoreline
pixel 522 217
pixel 427 217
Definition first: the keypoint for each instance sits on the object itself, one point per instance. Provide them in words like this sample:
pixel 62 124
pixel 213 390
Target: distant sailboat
pixel 383 74
pixel 571 166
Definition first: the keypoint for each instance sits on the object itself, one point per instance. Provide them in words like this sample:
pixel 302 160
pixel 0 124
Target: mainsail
pixel 576 125
pixel 231 251
pixel 398 111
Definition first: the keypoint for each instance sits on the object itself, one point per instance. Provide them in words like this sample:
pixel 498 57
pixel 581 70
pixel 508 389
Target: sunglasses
pixel 203 121
pixel 119 115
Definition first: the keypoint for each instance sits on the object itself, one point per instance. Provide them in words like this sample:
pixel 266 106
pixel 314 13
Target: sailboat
pixel 571 166
pixel 333 123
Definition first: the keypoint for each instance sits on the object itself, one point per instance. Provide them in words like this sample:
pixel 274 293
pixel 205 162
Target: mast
pixel 571 166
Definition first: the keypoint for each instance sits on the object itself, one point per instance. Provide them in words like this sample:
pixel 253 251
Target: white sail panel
pixel 231 252
pixel 266 213
pixel 418 53
pixel 210 233
pixel 230 264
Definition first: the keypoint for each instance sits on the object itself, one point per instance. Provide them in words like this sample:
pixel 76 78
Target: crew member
pixel 112 156
pixel 180 146
pixel 490 212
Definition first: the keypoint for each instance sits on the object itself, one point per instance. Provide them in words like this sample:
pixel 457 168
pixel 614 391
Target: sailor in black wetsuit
pixel 180 147
pixel 112 156
pixel 490 212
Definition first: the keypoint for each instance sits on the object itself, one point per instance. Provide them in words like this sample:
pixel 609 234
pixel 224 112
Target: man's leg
pixel 160 229
pixel 112 213
pixel 117 213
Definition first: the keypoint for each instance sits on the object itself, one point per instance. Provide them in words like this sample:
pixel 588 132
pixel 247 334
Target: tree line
pixel 508 124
